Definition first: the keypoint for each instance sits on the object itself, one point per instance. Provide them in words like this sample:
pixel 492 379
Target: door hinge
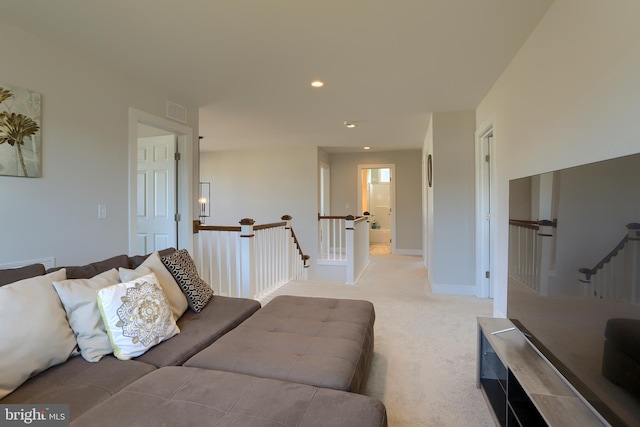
pixel 487 275
pixel 486 158
pixel 176 156
pixel 177 217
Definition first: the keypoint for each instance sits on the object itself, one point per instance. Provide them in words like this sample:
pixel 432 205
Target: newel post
pixel 545 237
pixel 247 258
pixel 350 228
pixel 289 252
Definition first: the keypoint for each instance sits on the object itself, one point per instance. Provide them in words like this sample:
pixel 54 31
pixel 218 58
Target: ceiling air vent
pixel 176 112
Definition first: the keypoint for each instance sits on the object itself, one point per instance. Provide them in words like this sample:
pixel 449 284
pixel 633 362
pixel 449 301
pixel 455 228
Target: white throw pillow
pixel 79 299
pixel 137 316
pixel 34 332
pixel 172 290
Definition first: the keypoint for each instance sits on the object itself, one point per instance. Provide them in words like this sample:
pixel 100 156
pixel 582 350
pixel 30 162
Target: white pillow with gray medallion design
pixel 137 316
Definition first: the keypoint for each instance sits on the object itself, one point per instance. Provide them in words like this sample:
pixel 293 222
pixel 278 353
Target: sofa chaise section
pixel 294 362
pixel 199 330
pixel 180 396
pixel 79 383
pixel 322 342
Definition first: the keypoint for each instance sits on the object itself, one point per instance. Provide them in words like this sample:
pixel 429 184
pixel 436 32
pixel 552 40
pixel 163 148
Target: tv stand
pixel 520 386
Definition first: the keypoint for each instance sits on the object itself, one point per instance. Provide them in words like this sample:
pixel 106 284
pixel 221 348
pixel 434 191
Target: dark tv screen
pixel 574 278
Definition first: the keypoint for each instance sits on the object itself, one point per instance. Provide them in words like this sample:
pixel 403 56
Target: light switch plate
pixel 102 211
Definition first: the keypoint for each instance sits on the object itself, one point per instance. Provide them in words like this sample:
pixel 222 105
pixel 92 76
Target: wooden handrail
pixel 304 257
pixel 337 217
pixel 271 225
pixel 591 271
pixel 219 228
pixel 533 225
pixel 198 226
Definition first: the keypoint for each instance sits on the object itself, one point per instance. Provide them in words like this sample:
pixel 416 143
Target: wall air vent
pixel 176 112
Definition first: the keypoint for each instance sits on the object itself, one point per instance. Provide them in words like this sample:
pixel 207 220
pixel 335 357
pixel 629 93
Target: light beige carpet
pixel 424 363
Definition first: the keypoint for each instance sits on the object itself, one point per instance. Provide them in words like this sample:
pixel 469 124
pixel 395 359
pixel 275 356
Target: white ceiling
pixel 248 63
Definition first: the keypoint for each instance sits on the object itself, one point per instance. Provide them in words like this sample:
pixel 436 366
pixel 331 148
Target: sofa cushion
pixel 90 270
pixel 183 269
pixel 136 315
pixel 198 330
pixel 79 299
pixel 137 260
pixel 79 383
pixel 10 275
pixel 34 332
pixel 179 396
pixel 172 290
pixel 317 341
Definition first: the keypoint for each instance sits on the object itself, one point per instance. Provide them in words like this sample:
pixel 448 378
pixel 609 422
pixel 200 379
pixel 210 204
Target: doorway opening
pixel 376 196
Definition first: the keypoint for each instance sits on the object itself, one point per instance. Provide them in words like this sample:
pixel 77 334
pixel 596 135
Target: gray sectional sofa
pixel 295 362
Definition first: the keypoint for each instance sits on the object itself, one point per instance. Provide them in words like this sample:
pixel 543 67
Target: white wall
pixel 452 263
pixel 85 111
pixel 408 185
pixel 570 96
pixel 264 185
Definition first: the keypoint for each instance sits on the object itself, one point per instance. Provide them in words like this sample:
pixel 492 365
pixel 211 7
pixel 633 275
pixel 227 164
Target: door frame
pixel 392 196
pixel 185 176
pixel 324 196
pixel 485 229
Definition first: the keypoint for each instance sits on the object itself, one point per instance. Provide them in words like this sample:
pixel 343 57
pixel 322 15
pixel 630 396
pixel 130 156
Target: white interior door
pixel 156 193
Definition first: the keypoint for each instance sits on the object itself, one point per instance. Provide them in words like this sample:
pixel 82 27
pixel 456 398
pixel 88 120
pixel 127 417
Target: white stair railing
pixel 344 241
pixel 332 238
pixel 530 253
pixel 617 276
pixel 357 236
pixel 251 260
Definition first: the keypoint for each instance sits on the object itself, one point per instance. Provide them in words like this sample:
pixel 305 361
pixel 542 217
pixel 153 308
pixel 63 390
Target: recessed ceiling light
pixel 350 125
pixel 367 148
pixel 317 83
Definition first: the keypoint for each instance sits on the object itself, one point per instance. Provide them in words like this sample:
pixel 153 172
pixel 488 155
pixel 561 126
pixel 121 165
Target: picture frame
pixel 20 130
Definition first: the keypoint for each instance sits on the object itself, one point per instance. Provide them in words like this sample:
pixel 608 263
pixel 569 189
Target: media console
pixel 520 386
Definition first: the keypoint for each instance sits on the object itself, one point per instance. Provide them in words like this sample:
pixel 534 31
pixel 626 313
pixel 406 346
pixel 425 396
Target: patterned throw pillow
pixel 137 316
pixel 183 269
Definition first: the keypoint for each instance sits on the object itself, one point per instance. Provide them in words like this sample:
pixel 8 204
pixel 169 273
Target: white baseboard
pixel 438 288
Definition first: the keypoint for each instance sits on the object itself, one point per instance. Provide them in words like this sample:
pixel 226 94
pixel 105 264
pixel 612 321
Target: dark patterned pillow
pixel 183 269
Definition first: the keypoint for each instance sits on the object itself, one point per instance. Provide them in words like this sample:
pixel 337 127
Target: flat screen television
pixel 574 278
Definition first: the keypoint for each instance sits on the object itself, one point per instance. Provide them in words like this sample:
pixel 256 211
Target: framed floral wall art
pixel 20 142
